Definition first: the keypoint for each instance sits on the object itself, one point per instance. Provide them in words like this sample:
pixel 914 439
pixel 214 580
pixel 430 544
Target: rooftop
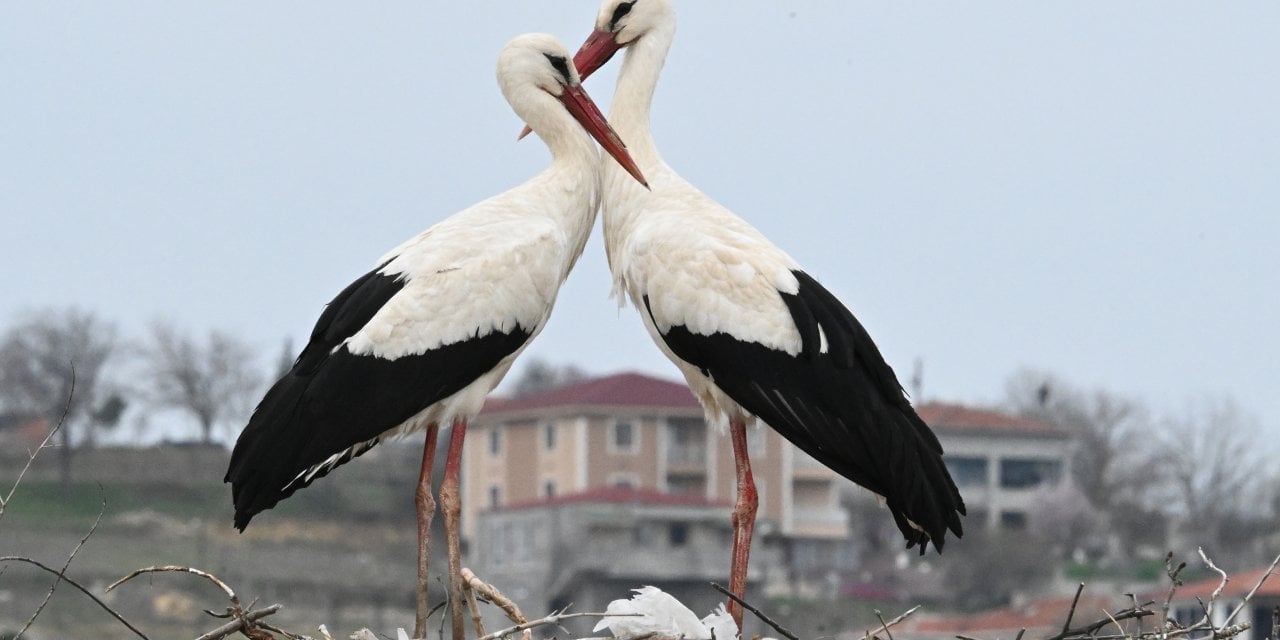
pixel 618 390
pixel 1238 586
pixel 961 419
pixel 1036 616
pixel 632 389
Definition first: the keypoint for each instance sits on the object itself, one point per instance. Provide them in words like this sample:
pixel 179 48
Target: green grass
pixel 52 503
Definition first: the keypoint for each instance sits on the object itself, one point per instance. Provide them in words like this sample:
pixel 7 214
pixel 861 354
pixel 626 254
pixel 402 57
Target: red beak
pixel 580 106
pixel 595 52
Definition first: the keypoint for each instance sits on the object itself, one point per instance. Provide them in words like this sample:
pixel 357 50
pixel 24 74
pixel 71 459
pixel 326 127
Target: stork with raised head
pixel 754 334
pixel 421 339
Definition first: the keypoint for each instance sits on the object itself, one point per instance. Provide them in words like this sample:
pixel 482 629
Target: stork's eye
pixel 621 10
pixel 561 65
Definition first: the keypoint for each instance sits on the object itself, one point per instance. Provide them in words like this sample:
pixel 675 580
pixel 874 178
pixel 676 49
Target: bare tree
pixel 1214 469
pixel 1109 465
pixel 213 382
pixel 42 357
pixel 539 375
pixel 1064 518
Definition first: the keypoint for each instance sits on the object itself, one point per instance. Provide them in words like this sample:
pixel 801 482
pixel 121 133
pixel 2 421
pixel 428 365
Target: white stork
pixel 422 338
pixel 754 335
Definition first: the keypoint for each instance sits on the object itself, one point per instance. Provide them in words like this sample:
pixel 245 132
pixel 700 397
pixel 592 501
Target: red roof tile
pixel 618 390
pixel 620 495
pixel 1044 614
pixel 1238 586
pixel 957 418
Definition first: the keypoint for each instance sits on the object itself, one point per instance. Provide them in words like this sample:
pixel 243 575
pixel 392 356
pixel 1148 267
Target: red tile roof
pixel 638 390
pixel 1037 615
pixel 618 390
pixel 1238 586
pixel 957 418
pixel 621 495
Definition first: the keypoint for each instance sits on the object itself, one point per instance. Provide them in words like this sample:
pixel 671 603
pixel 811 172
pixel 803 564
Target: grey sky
pixel 1090 188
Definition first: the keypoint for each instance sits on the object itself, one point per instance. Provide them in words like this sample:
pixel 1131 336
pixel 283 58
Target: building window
pixel 625 480
pixel 549 433
pixel 1261 621
pixel 967 471
pixel 549 488
pixel 1023 473
pixel 1013 520
pixel 495 497
pixel 624 436
pixel 645 535
pixel 678 534
pixel 684 485
pixel 495 440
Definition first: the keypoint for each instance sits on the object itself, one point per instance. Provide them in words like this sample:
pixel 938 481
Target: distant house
pixel 593 547
pixel 540 459
pixel 639 432
pixel 1039 618
pixel 1186 606
pixel 1000 463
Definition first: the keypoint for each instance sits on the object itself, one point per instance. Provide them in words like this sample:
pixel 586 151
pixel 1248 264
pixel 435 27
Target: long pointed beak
pixel 594 53
pixel 581 107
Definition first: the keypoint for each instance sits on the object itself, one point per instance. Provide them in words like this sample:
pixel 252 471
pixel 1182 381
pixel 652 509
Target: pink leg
pixel 452 507
pixel 426 512
pixel 744 518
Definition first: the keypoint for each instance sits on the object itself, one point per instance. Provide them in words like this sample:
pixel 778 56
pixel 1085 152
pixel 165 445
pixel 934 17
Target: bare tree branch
pixel 58 579
pixel 31 455
pixel 78 587
pixel 555 618
pixel 246 622
pixel 237 624
pixel 887 625
pixel 212 382
pixel 1275 629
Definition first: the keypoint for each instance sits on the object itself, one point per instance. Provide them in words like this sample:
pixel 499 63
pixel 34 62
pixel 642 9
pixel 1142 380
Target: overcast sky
pixel 1088 188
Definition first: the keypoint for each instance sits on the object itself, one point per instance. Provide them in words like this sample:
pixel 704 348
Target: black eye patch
pixel 622 10
pixel 561 65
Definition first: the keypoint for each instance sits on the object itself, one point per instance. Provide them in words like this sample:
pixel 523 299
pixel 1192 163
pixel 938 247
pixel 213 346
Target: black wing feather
pixel 845 407
pixel 334 401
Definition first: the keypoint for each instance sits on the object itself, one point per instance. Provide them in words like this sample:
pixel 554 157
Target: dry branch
pixel 554 618
pixel 58 578
pixel 491 593
pixel 887 625
pixel 78 587
pixel 1168 629
pixel 31 455
pixel 766 619
pixel 248 623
